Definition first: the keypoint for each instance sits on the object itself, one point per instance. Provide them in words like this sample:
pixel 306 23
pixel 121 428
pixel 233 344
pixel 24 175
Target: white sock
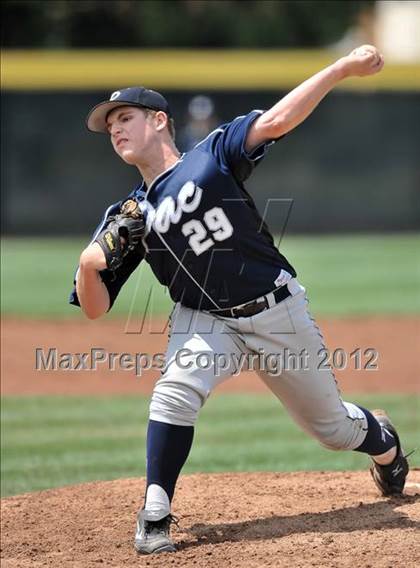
pixel 386 458
pixel 157 499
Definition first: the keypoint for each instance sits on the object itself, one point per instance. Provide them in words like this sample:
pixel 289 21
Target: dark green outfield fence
pixel 353 165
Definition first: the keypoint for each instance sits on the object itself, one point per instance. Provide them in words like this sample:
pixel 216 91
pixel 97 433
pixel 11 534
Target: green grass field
pixel 53 441
pixel 344 275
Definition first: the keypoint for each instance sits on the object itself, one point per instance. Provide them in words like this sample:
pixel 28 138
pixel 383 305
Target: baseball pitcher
pixel 235 295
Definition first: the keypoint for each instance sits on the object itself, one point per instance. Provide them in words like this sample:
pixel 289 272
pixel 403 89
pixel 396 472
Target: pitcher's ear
pixel 162 120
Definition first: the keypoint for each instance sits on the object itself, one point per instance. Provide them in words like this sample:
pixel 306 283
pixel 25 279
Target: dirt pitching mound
pixel 235 520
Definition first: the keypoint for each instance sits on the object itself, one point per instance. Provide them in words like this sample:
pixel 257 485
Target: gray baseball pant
pixel 282 344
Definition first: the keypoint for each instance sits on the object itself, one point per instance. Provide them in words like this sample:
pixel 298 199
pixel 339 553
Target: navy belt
pixel 255 306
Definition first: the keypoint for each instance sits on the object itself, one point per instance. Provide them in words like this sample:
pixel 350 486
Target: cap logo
pixel 115 95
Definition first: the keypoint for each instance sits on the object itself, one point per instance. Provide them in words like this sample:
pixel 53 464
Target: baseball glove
pixel 122 234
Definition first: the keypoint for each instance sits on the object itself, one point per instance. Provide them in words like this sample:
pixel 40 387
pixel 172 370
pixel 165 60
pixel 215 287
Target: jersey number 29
pixel 216 222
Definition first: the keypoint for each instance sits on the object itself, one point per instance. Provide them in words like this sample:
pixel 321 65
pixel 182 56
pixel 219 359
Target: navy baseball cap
pixel 133 96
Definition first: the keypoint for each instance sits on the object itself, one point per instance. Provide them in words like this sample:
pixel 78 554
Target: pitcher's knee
pixel 343 429
pixel 346 435
pixel 336 440
pixel 175 403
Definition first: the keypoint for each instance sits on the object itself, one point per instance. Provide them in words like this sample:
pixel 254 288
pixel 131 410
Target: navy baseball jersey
pixel 205 239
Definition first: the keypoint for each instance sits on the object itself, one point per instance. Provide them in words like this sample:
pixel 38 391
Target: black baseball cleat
pixel 390 479
pixel 152 534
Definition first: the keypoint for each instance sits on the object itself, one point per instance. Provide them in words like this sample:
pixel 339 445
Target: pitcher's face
pixel 132 132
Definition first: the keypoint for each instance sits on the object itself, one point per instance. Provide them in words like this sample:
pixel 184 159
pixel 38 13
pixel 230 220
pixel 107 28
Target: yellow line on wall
pixel 183 69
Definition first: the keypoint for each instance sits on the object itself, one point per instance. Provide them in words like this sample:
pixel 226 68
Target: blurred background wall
pixel 353 165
